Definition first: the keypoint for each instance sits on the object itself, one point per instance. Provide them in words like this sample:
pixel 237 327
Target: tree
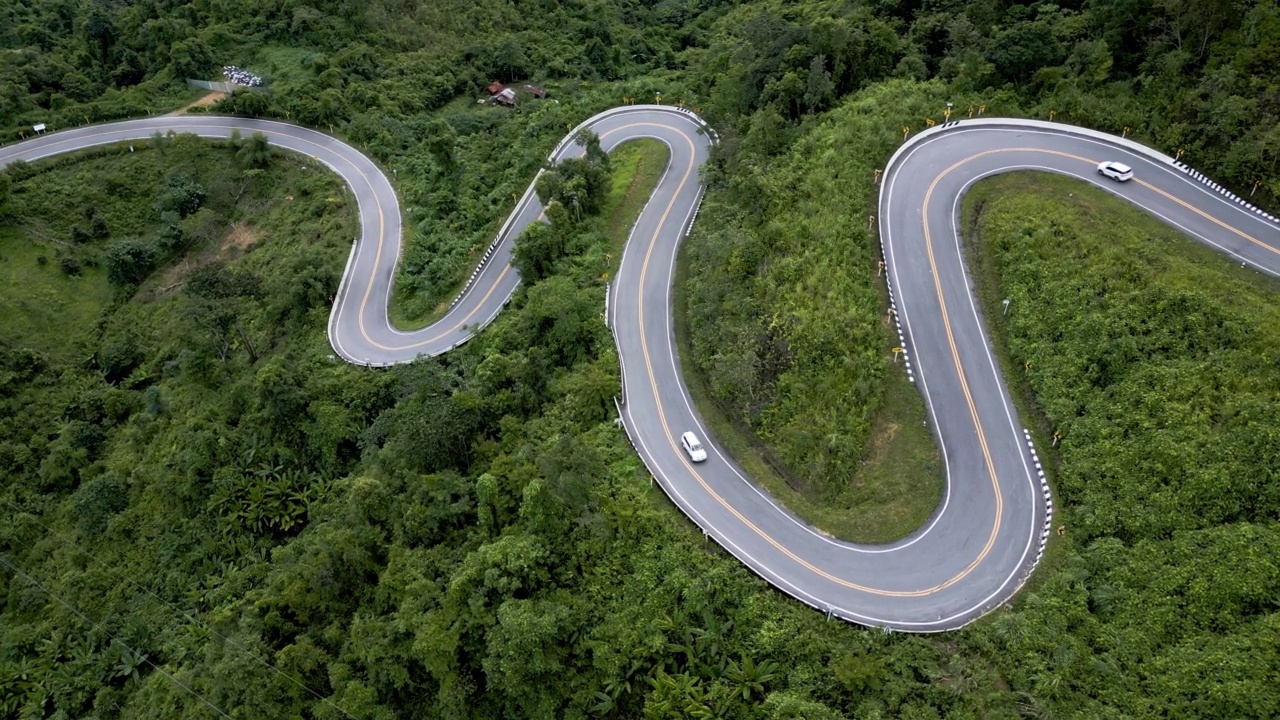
pixel 537 250
pixel 95 502
pixel 592 150
pixel 819 87
pixel 1189 25
pixel 129 261
pixel 1020 50
pixel 526 654
pixel 254 153
pixel 440 141
pixel 579 184
pixel 191 58
pixel 245 103
pixel 561 319
pixel 6 192
pixel 792 705
pixel 430 427
pixel 181 194
pixel 100 31
pixel 509 59
pixel 217 281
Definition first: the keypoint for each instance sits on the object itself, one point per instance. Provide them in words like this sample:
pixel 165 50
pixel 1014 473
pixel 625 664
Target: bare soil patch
pixel 213 97
pixel 236 242
pixel 241 237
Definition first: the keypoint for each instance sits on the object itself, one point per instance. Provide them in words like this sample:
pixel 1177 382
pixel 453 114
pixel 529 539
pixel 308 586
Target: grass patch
pixel 1094 211
pixel 896 486
pixel 993 204
pixel 41 306
pixel 285 66
pixel 72 209
pixel 637 166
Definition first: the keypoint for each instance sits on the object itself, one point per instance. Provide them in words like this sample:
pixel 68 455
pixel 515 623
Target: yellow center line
pixel 1209 217
pixel 377 260
pixel 703 483
pixel 973 413
pixel 649 365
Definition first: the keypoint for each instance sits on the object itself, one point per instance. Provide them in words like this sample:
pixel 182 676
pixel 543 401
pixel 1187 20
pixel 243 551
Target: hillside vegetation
pixel 1157 362
pixel 464 537
pixel 197 496
pixel 787 323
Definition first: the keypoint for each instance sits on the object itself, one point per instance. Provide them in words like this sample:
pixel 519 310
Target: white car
pixel 1116 171
pixel 690 443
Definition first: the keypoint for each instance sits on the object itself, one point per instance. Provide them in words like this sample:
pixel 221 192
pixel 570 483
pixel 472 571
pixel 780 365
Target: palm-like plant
pixel 749 679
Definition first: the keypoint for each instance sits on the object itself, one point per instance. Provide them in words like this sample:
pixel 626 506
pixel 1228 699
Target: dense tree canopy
pixel 203 509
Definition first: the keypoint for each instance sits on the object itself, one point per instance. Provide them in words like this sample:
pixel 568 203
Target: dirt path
pixel 205 101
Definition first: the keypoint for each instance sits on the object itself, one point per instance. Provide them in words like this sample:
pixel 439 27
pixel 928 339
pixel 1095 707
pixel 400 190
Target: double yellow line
pixel 955 356
pixel 995 529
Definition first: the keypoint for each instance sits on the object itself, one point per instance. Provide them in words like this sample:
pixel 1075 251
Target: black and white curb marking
pixel 1048 500
pixel 893 310
pixel 1204 180
pixel 480 266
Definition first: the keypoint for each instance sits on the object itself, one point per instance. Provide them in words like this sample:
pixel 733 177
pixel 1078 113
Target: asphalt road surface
pixel 983 541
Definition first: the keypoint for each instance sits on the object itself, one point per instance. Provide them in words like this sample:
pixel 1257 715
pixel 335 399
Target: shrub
pixel 69 264
pixel 96 501
pixel 181 193
pixel 129 261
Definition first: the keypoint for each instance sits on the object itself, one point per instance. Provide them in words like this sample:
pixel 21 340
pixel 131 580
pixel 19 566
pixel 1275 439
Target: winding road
pixel 983 541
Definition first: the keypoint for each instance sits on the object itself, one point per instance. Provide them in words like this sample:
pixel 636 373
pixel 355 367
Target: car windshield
pixel 695 446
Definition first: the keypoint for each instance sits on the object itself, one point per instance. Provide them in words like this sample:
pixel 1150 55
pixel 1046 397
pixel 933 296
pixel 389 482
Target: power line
pixel 111 635
pixel 178 610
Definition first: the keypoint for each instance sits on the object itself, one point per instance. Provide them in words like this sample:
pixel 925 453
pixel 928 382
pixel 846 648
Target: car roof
pixel 1119 166
pixel 689 436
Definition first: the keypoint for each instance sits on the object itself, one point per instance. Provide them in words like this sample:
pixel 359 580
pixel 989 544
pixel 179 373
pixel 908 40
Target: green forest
pixel 206 515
